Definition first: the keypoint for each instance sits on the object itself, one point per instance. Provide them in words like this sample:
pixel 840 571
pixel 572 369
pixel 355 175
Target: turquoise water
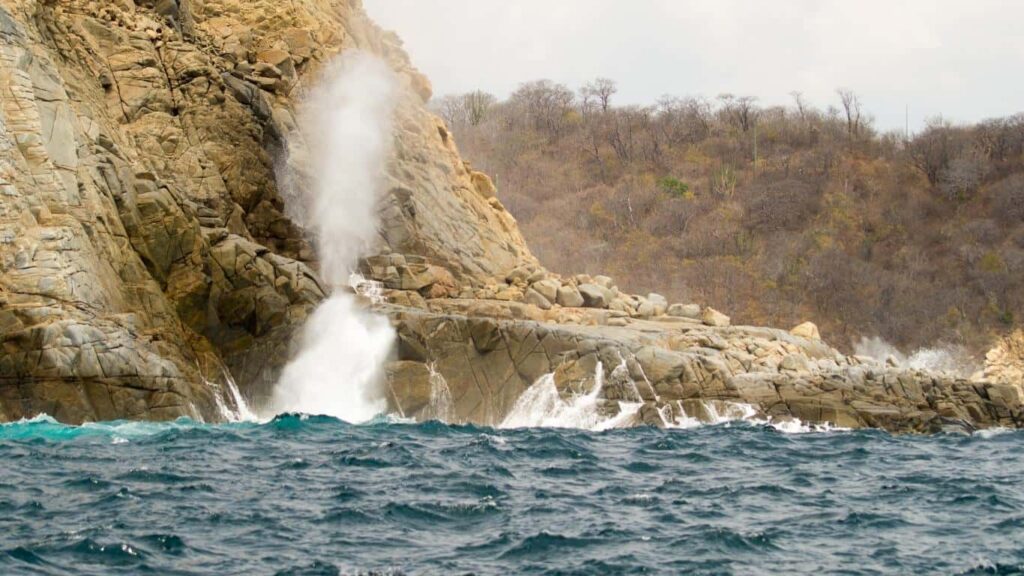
pixel 317 496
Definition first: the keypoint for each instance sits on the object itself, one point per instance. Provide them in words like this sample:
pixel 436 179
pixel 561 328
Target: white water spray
pixel 542 406
pixel 347 126
pixel 724 413
pixel 372 290
pixel 947 358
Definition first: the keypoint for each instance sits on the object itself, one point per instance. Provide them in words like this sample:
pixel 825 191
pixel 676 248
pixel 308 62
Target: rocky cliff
pixel 153 248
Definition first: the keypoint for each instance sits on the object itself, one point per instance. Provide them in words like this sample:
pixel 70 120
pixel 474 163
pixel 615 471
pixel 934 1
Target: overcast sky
pixel 963 59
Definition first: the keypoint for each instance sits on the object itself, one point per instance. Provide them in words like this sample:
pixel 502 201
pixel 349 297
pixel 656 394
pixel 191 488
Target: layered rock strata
pixel 153 249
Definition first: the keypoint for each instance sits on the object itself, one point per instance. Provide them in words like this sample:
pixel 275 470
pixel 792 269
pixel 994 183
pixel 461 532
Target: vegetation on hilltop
pixel 775 214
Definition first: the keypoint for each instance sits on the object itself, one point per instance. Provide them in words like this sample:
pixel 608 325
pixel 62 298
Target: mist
pixel 346 122
pixel 947 358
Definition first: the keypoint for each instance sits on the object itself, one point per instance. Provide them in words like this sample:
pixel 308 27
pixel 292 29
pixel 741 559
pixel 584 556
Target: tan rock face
pixel 144 244
pixel 489 354
pixel 1005 362
pixel 152 246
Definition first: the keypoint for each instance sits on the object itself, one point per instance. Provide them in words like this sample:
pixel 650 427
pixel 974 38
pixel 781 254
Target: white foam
pixel 242 412
pixel 339 368
pixel 724 413
pixel 542 406
pixel 988 433
pixel 37 419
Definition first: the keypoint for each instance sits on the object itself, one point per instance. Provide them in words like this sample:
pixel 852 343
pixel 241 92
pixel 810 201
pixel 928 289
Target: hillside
pixel 775 214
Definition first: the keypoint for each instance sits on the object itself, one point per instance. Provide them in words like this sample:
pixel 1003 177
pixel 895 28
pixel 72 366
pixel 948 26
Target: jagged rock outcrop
pixel 677 368
pixel 147 253
pixel 153 248
pixel 1004 363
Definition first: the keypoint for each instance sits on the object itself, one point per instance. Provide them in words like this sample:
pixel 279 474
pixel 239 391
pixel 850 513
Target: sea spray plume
pixel 347 126
pixel 346 123
pixel 338 369
pixel 948 358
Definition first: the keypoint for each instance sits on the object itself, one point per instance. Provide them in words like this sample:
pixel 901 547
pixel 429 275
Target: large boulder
pixel 646 309
pixel 683 371
pixel 569 297
pixel 548 288
pixel 712 317
pixel 691 311
pixel 537 299
pixel 659 302
pixel 808 330
pixel 1004 363
pixel 594 296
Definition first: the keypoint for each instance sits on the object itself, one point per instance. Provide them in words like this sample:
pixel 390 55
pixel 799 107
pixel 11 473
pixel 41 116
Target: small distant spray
pixel 347 126
pixel 951 359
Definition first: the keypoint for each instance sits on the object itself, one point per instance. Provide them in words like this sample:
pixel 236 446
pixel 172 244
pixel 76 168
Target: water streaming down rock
pixel 242 412
pixel 372 290
pixel 347 127
pixel 441 406
pixel 542 406
pixel 230 402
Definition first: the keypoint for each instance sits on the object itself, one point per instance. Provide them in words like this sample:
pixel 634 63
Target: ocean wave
pixel 494 440
pixel 186 497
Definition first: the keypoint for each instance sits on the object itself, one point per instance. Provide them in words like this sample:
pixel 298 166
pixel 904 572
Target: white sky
pixel 963 59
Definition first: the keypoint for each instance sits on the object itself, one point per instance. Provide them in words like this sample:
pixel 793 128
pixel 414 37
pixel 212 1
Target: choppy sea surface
pixel 313 495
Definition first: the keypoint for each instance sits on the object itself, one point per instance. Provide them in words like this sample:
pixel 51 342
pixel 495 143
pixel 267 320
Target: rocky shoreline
pixel 677 368
pixel 152 250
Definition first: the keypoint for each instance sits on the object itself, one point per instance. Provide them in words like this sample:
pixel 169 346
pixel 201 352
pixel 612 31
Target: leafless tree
pixel 740 111
pixel 933 150
pixel 546 103
pixel 801 105
pixel 477 104
pixel 1008 199
pixel 1002 139
pixel 626 127
pixel 964 174
pixel 852 109
pixel 601 91
pixel 461 110
pixel 683 120
pixel 450 110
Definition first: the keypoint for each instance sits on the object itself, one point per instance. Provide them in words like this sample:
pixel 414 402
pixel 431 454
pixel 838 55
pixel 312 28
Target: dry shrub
pixel 1008 199
pixel 787 205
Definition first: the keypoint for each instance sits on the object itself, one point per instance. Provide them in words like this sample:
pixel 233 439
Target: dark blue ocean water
pixel 317 496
